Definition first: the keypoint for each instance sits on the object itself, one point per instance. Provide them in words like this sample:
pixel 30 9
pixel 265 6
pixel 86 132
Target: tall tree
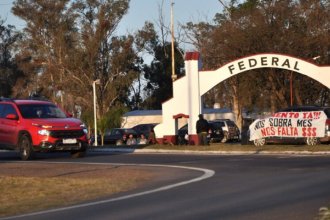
pixel 159 72
pixel 8 68
pixel 69 45
pixel 257 26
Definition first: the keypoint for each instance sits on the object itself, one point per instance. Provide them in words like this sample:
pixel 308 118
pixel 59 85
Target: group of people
pixel 131 140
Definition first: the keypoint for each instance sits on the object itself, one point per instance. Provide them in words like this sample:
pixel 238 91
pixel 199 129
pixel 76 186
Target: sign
pixel 289 124
pixel 275 61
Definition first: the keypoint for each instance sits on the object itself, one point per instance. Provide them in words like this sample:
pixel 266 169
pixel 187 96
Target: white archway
pixel 188 90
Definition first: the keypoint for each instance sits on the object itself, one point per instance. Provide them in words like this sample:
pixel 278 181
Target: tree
pixel 111 119
pixel 158 73
pixel 257 26
pixel 69 45
pixel 8 68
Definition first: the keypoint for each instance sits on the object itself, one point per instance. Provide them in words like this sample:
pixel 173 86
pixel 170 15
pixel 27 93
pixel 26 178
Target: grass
pixel 28 188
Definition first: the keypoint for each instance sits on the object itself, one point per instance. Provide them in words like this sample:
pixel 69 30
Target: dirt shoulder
pixel 29 187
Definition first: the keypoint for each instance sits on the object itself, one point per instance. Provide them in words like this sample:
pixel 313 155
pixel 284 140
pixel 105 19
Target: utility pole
pixel 174 76
pixel 95 119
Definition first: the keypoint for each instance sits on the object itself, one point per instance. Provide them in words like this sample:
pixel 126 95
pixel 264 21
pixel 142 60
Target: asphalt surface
pixel 242 187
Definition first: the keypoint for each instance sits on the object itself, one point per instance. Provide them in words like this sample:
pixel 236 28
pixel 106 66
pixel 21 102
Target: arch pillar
pixel 186 100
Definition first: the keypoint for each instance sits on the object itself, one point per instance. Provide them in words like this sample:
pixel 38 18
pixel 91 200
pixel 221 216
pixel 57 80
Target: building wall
pixel 131 121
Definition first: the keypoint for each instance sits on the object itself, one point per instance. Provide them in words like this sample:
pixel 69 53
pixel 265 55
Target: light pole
pixel 174 76
pixel 95 122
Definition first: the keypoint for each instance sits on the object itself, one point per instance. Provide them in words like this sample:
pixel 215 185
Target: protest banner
pixel 289 124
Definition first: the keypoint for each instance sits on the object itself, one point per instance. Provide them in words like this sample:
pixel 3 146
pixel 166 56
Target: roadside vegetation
pixel 56 185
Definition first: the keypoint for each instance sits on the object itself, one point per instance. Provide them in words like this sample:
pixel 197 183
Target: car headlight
pixel 44 132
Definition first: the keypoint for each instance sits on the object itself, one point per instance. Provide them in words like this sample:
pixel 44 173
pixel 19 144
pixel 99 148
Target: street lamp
pixel 95 123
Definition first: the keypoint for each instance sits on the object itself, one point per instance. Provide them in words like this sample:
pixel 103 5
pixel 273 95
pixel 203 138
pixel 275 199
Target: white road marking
pixel 207 174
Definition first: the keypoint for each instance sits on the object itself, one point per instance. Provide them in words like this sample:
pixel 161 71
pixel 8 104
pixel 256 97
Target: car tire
pixel 78 154
pixel 259 142
pixel 25 147
pixel 312 141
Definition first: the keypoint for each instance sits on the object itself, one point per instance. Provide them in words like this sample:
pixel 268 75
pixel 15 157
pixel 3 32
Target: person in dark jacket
pixel 202 127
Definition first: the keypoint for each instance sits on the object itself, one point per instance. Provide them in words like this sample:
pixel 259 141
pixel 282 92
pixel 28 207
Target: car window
pixel 41 111
pixel 7 109
pixel 130 131
pixel 2 106
pixel 116 132
pixel 231 123
pixel 222 124
pixel 217 125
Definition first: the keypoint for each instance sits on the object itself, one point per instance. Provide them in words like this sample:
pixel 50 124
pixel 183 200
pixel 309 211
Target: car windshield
pixel 41 111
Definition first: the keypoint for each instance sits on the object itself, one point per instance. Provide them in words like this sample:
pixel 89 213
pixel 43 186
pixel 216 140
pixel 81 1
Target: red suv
pixel 30 126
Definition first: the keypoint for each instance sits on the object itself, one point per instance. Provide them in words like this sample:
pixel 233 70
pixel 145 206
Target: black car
pixel 230 130
pixel 216 133
pixel 144 129
pixel 116 134
pixel 300 140
pixel 182 132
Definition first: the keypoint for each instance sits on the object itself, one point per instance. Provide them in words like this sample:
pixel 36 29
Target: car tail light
pixel 327 124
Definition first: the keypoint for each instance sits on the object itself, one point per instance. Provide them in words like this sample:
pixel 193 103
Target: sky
pixel 144 10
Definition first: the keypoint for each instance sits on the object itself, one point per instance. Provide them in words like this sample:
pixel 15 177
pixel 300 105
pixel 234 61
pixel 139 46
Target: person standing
pixel 152 137
pixel 202 128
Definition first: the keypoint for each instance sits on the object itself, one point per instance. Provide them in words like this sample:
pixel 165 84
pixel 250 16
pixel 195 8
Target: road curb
pixel 167 151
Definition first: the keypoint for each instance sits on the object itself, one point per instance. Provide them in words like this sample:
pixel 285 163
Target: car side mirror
pixel 12 117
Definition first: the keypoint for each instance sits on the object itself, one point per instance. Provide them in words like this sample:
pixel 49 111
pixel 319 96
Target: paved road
pixel 243 187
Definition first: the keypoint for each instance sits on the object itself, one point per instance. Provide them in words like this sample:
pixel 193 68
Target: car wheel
pixel 25 148
pixel 79 153
pixel 311 141
pixel 259 142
